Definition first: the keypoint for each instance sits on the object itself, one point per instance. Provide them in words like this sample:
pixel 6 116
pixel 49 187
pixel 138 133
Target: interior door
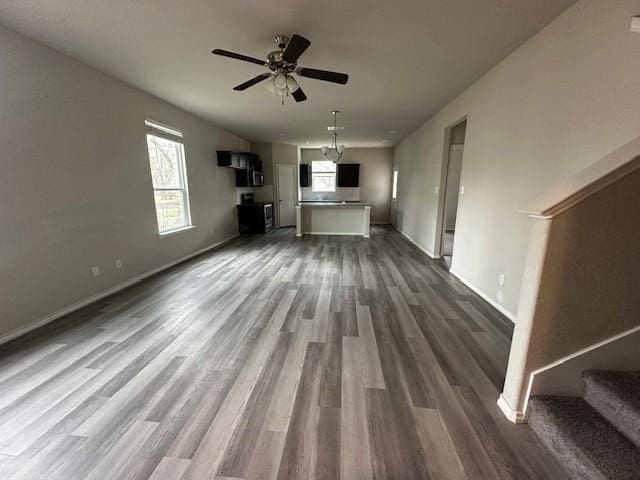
pixel 287 195
pixel 452 192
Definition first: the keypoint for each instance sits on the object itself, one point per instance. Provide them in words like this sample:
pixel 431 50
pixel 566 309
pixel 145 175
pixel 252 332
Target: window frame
pixel 325 174
pixel 157 130
pixel 394 185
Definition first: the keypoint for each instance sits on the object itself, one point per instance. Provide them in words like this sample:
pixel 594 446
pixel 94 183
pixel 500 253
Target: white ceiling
pixel 406 58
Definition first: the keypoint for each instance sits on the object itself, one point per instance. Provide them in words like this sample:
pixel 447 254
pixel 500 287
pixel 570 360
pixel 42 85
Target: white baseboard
pixel 512 415
pixel 104 293
pixel 431 255
pixel 484 296
pixel 381 223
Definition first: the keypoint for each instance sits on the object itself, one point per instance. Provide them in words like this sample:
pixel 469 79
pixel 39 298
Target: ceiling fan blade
pixel 296 47
pixel 298 95
pixel 325 75
pixel 238 56
pixel 252 82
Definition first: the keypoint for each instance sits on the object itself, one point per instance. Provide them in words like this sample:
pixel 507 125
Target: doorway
pixel 453 190
pixel 286 195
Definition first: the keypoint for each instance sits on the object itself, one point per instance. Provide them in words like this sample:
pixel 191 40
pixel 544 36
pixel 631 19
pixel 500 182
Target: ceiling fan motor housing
pixel 281 41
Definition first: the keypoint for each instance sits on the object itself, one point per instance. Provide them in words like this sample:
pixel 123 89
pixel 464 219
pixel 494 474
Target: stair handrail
pixel 587 182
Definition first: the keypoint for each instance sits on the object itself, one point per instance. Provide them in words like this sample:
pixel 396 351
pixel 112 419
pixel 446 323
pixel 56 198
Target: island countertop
pixel 332 204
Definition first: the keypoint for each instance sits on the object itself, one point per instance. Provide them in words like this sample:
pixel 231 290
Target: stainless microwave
pixel 256 178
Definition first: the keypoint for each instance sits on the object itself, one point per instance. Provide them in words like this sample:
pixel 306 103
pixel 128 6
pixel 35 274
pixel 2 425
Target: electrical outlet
pixel 436 190
pixel 501 279
pixel 461 189
pixel 211 232
pixel 95 270
pixel 118 263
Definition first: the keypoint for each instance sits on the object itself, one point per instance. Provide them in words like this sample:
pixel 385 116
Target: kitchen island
pixel 333 218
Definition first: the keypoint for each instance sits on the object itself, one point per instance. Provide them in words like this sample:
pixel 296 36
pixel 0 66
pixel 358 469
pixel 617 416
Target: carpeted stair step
pixel 616 396
pixel 588 446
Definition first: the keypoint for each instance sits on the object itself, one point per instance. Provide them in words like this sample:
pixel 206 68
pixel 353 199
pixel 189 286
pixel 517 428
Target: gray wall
pixel 76 190
pixel 375 179
pixel 560 102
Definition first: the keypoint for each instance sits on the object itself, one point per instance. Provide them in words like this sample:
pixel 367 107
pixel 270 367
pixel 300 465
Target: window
pixel 169 177
pixel 323 176
pixel 394 188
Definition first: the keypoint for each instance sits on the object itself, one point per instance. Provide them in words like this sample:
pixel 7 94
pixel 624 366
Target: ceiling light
pixel 335 151
pixel 292 85
pixel 271 84
pixel 281 80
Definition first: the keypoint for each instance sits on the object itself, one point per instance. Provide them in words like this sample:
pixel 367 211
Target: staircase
pixel 596 436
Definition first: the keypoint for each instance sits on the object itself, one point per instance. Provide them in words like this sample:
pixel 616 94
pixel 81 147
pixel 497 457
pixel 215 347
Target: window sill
pixel 170 233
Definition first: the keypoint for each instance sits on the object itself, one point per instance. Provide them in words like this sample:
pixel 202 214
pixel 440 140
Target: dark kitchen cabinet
pixel 242 177
pixel 247 165
pixel 231 159
pixel 348 175
pixel 305 175
pixel 252 161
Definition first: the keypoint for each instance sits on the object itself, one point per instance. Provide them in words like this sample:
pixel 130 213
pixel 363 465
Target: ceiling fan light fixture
pixel 292 84
pixel 324 151
pixel 340 149
pixel 281 81
pixel 271 84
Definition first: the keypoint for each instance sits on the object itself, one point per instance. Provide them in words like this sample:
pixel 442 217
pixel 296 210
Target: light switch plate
pixel 635 24
pixel 435 190
pixel 95 270
pixel 461 189
pixel 501 279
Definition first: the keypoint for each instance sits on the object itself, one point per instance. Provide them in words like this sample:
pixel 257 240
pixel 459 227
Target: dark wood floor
pixel 274 357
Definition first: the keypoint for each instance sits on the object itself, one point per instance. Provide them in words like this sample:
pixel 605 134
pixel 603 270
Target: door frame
pixel 277 192
pixel 442 189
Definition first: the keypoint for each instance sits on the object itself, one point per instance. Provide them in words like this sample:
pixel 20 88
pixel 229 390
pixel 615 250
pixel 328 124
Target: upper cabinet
pixel 246 160
pixel 348 175
pixel 247 165
pixel 305 175
pixel 231 159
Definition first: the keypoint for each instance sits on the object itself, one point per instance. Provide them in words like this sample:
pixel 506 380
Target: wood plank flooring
pixel 271 358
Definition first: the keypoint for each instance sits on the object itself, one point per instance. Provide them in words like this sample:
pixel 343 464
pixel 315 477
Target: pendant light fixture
pixel 335 151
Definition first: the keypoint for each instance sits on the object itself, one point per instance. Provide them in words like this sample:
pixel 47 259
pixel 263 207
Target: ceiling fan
pixel 283 63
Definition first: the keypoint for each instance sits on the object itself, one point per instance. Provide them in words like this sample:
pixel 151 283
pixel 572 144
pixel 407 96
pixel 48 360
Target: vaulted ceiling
pixel 406 58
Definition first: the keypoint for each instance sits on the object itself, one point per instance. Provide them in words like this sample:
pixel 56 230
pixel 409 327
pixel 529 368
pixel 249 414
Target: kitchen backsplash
pixel 341 194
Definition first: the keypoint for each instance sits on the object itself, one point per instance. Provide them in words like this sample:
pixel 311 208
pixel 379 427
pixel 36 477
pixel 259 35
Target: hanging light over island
pixel 334 152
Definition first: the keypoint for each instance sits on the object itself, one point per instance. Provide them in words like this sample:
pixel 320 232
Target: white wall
pixel 560 102
pixel 75 188
pixel 375 179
